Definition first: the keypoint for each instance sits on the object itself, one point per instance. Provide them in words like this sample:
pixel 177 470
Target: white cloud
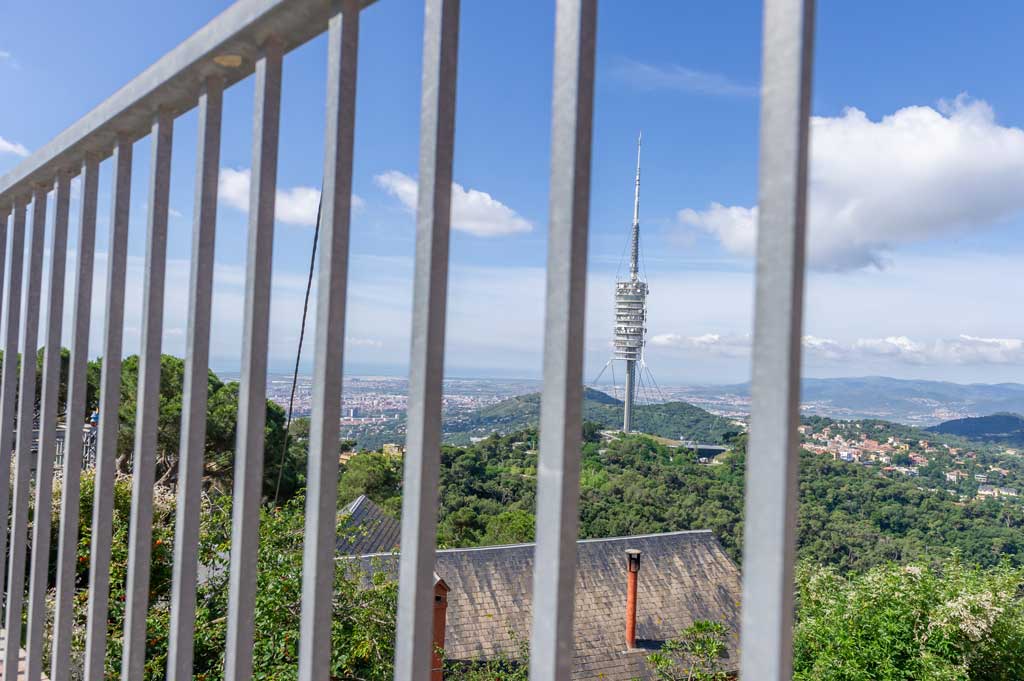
pixel 298 205
pixel 917 173
pixel 8 147
pixel 363 342
pixel 233 187
pixel 894 347
pixel 294 205
pixel 473 211
pixel 962 349
pixel 675 77
pixel 735 226
pixel 172 212
pixel 709 343
pixel 400 186
pixel 824 348
pixel 973 350
pixel 6 58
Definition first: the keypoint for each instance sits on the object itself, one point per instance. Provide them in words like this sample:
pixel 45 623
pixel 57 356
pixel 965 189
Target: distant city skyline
pixel 916 211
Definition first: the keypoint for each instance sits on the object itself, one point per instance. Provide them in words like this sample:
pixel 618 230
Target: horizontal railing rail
pixel 227 48
pixel 250 39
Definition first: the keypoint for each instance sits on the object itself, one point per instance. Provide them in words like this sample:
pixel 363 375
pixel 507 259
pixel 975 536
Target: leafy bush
pixel 910 622
pixel 363 620
pixel 694 655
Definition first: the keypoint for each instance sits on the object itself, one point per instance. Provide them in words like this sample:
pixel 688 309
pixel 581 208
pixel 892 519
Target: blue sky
pixel 916 199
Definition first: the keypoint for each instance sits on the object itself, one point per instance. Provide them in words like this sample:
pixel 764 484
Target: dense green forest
pixel 877 554
pixel 850 517
pixel 1004 428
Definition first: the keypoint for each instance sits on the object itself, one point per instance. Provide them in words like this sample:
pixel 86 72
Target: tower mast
pixel 634 256
pixel 631 309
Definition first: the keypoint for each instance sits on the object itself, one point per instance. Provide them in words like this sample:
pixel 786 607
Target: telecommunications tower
pixel 631 310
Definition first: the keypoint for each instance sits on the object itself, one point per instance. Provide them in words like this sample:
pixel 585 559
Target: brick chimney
pixel 440 621
pixel 632 568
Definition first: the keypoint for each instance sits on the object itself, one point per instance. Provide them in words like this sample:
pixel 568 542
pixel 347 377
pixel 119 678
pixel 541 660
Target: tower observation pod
pixel 631 311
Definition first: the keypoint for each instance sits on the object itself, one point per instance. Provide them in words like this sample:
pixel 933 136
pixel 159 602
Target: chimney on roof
pixel 632 568
pixel 440 622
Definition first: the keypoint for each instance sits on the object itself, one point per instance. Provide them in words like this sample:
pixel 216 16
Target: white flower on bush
pixel 971 613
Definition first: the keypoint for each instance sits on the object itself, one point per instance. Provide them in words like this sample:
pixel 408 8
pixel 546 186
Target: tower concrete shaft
pixel 627 409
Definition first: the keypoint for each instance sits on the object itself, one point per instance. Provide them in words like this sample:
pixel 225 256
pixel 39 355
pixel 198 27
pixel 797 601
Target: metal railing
pixel 257 34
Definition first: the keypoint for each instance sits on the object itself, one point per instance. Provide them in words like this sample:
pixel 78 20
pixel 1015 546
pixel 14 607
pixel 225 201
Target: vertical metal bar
pixel 140 537
pixel 110 398
pixel 5 213
pixel 252 398
pixel 10 367
pixel 48 430
pixel 413 644
pixel 561 427
pixel 25 437
pixel 322 479
pixel 194 399
pixel 773 451
pixel 67 549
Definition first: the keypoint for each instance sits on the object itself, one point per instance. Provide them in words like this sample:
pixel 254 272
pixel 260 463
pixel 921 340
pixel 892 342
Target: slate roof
pixel 372 530
pixel 684 577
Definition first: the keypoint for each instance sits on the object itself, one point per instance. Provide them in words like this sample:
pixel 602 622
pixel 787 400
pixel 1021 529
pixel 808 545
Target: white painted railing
pixel 257 34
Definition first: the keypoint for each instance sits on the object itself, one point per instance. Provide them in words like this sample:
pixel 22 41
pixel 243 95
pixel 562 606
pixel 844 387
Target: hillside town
pixel 978 471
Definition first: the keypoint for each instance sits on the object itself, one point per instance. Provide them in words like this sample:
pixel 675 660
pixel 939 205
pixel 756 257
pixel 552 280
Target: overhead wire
pixel 298 352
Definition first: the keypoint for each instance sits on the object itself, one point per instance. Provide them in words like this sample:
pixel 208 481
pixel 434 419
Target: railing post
pixel 252 397
pixel 5 213
pixel 48 430
pixel 773 451
pixel 110 400
pixel 140 538
pixel 322 479
pixel 10 369
pixel 23 450
pixel 196 386
pixel 558 466
pixel 414 636
pixel 70 491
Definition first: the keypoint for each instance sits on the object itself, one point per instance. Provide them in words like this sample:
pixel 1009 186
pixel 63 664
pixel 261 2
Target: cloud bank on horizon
pixel 917 173
pixel 963 349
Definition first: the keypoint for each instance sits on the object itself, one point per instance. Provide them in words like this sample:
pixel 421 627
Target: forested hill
pixel 675 420
pixel 851 517
pixel 1004 428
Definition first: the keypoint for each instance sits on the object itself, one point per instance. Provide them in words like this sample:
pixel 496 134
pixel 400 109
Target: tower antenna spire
pixel 634 256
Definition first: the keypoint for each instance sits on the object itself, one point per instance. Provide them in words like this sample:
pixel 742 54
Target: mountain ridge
pixel 1002 427
pixel 911 401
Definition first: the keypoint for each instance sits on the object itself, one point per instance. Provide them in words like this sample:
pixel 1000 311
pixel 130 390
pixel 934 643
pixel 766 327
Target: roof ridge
pixel 533 544
pixel 356 503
